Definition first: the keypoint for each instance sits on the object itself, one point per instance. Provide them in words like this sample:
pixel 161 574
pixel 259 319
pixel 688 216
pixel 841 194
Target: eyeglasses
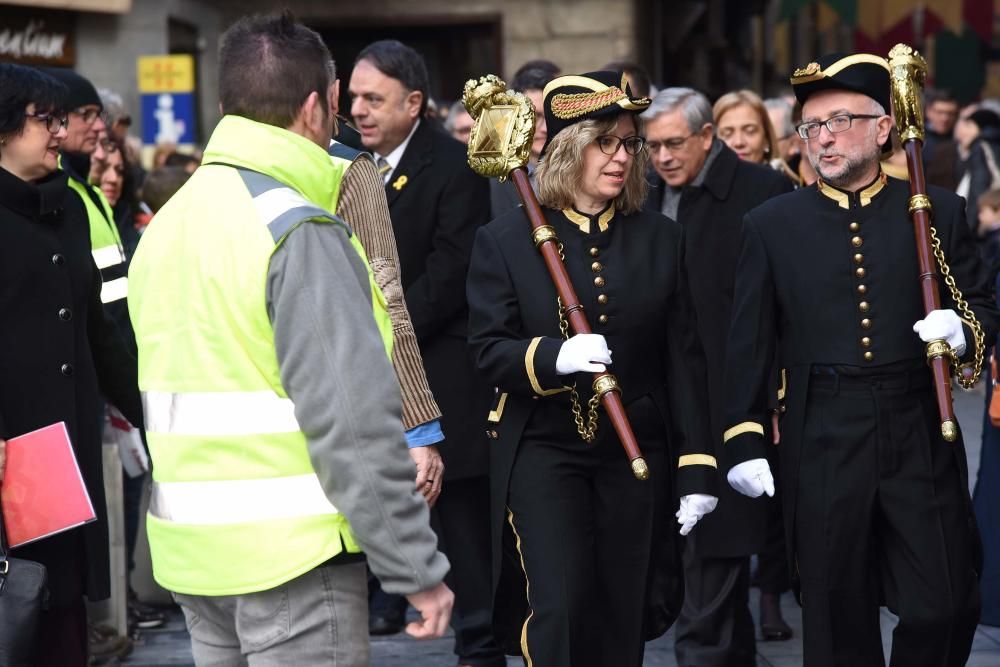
pixel 52 122
pixel 609 144
pixel 108 145
pixel 835 124
pixel 89 115
pixel 670 144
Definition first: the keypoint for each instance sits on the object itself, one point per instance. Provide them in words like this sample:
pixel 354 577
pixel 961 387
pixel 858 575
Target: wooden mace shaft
pixel 929 288
pixel 578 324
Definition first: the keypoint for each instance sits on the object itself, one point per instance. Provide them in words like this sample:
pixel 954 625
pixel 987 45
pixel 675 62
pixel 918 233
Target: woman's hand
pixel 583 353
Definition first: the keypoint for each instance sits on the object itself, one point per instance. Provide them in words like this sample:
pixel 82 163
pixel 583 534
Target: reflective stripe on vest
pixel 225 502
pixel 108 256
pixel 279 206
pixel 113 290
pixel 219 413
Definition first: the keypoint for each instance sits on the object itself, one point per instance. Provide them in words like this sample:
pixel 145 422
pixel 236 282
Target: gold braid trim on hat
pixel 566 106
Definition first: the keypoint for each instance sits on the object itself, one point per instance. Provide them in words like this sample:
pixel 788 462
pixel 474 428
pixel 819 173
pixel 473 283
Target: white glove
pixel 583 352
pixel 942 324
pixel 693 507
pixel 752 478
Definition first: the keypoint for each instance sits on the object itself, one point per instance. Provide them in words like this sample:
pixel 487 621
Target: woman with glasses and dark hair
pixel 56 344
pixel 586 566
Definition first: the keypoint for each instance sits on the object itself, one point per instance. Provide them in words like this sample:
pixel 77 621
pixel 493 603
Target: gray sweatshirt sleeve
pixel 347 402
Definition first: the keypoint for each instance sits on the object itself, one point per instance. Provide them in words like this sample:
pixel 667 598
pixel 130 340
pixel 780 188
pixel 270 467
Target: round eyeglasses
pixel 609 144
pixel 52 122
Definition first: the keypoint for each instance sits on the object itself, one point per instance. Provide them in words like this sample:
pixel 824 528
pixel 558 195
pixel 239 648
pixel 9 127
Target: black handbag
pixel 23 596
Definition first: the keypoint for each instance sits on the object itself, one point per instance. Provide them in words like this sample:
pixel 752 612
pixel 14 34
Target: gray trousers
pixel 319 618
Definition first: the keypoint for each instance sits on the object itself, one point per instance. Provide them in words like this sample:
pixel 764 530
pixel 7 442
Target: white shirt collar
pixel 396 155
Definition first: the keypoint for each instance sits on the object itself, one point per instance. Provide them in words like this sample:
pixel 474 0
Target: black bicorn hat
pixel 863 73
pixel 575 97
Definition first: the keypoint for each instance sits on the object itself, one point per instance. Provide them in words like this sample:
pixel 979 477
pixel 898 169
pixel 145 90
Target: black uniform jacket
pixel 58 352
pixel 631 281
pixel 712 218
pixel 436 203
pixel 831 278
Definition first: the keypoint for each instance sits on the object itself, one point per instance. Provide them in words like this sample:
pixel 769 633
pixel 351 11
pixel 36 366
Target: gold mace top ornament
pixel 501 138
pixel 908 70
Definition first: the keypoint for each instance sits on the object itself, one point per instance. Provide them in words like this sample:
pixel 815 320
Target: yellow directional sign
pixel 166 74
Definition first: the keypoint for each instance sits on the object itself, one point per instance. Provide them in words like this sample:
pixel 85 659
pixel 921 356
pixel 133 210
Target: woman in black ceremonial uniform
pixel 586 566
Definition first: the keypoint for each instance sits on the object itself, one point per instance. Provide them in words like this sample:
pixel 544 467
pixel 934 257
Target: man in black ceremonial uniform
pixel 876 501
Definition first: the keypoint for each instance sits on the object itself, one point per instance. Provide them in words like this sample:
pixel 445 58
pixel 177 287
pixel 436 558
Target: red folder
pixel 43 491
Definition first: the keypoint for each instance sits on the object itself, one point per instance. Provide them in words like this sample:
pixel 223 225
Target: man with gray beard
pixel 876 503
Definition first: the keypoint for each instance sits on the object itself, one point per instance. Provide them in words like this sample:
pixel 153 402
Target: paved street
pixel 169 646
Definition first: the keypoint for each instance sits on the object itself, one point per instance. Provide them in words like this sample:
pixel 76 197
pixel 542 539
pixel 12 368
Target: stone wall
pixel 579 35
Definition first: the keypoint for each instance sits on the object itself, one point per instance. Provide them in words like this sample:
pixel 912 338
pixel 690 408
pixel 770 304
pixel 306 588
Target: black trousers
pixel 584 528
pixel 883 507
pixel 715 628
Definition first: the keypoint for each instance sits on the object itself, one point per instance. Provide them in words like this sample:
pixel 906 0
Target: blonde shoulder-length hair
pixel 558 176
pixel 751 99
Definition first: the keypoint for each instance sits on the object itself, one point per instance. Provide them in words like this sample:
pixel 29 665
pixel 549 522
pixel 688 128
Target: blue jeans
pixel 319 618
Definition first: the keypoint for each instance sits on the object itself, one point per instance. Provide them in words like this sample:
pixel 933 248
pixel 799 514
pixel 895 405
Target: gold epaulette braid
pixel 967 315
pixel 573 105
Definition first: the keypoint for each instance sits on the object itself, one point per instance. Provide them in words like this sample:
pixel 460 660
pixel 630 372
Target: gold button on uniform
pixel 603 319
pixel 866 342
pixel 854 226
pixel 860 272
pixel 859 258
pixel 599 281
pixel 862 289
pixel 869 356
pixel 856 241
pixel 594 251
pixel 602 299
pixel 596 267
pixel 863 306
pixel 866 323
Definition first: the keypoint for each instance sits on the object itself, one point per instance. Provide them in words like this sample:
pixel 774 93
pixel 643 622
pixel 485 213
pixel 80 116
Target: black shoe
pixel 142 615
pixel 772 624
pixel 384 625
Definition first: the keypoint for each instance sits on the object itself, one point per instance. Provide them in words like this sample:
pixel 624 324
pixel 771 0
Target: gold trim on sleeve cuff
pixel 740 429
pixel 697 460
pixel 529 367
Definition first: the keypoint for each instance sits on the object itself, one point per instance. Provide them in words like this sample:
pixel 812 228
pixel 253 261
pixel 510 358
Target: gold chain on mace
pixel 967 314
pixel 588 430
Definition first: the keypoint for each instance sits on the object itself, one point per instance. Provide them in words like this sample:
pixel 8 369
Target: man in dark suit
pixel 704 186
pixel 876 499
pixel 436 203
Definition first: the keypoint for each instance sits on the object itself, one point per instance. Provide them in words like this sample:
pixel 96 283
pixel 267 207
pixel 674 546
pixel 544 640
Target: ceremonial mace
pixel 499 146
pixel 908 70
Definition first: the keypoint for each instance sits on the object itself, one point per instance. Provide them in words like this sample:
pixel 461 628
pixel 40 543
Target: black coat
pixel 58 353
pixel 712 217
pixel 515 336
pixel 436 203
pixel 831 278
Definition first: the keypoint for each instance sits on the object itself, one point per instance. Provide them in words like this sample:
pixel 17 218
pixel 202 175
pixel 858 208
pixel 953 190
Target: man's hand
pixel 3 457
pixel 430 471
pixel 752 478
pixel 942 324
pixel 434 606
pixel 693 507
pixel 583 353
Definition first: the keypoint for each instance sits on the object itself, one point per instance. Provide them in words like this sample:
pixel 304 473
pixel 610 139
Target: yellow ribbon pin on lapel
pixel 400 182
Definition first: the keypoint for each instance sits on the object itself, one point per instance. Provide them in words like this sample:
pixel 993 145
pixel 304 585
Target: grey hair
pixel 693 105
pixel 114 105
pixel 453 111
pixel 785 127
